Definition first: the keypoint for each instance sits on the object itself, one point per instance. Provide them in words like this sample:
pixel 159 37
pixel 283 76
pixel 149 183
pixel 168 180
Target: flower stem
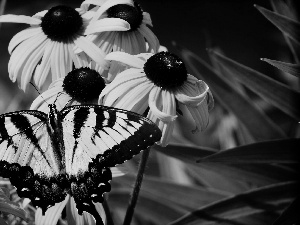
pixel 137 187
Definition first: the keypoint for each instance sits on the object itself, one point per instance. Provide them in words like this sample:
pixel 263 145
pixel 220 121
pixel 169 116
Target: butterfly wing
pixel 27 157
pixel 96 138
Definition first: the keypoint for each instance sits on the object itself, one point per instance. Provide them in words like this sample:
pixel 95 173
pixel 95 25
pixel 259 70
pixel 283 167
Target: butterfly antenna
pixel 38 92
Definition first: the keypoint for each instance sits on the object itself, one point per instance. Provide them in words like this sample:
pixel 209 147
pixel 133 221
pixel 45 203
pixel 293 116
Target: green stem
pixel 137 187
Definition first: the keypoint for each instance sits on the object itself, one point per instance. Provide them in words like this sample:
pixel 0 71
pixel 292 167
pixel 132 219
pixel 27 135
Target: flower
pixel 47 46
pixel 132 41
pixel 80 86
pixel 160 82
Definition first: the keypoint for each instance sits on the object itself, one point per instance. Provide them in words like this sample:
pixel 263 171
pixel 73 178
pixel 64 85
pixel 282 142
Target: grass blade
pixel 283 23
pixel 278 151
pixel 293 69
pixel 265 198
pixel 290 214
pixel 267 88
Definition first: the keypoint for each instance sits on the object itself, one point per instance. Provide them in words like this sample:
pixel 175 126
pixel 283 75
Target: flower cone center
pixel 166 70
pixel 61 23
pixel 132 14
pixel 83 84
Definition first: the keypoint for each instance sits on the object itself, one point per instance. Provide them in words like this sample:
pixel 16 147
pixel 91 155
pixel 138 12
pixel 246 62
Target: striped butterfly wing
pixel 27 157
pixel 96 138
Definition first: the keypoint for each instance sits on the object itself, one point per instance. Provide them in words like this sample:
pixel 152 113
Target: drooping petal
pixel 200 115
pixel 154 96
pixel 147 19
pixel 165 102
pixel 91 50
pixel 22 36
pixel 19 19
pixel 192 94
pixel 52 214
pixel 126 58
pixel 150 37
pixel 107 24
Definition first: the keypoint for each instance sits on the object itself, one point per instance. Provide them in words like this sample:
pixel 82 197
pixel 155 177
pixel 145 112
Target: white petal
pixel 126 58
pixel 19 19
pixel 192 94
pixel 147 19
pixel 21 54
pixel 92 2
pixel 200 115
pixel 31 64
pixel 106 5
pixel 54 62
pixel 41 14
pixel 22 36
pixel 86 219
pixel 107 24
pixel 134 99
pixel 118 171
pixel 154 96
pixel 42 70
pixel 150 37
pixel 166 103
pixel 52 214
pixel 124 82
pixel 91 50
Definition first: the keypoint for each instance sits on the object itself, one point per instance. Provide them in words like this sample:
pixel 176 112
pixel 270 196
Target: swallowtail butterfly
pixel 70 151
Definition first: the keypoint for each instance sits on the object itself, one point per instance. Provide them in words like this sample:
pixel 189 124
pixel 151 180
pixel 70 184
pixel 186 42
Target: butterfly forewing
pixel 98 130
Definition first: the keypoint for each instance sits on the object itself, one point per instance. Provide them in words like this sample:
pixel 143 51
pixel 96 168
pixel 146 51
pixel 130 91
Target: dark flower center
pixel 61 23
pixel 166 70
pixel 133 15
pixel 83 84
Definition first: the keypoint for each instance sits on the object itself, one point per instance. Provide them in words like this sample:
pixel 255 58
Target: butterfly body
pixel 47 156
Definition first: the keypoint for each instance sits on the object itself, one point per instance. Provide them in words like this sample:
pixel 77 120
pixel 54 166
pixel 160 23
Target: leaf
pixel 278 151
pixel 256 174
pixel 184 152
pixel 290 215
pixel 270 198
pixel 293 69
pixel 148 207
pixel 186 196
pixel 10 207
pixel 283 23
pixel 247 113
pixel 272 91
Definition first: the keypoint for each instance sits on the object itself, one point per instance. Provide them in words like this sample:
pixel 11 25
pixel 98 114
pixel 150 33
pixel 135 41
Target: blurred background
pixel 236 29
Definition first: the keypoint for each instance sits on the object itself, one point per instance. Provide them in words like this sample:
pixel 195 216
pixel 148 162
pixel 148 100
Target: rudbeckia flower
pixel 132 41
pixel 47 46
pixel 80 86
pixel 158 81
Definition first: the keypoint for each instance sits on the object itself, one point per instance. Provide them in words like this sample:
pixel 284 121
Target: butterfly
pixel 47 156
